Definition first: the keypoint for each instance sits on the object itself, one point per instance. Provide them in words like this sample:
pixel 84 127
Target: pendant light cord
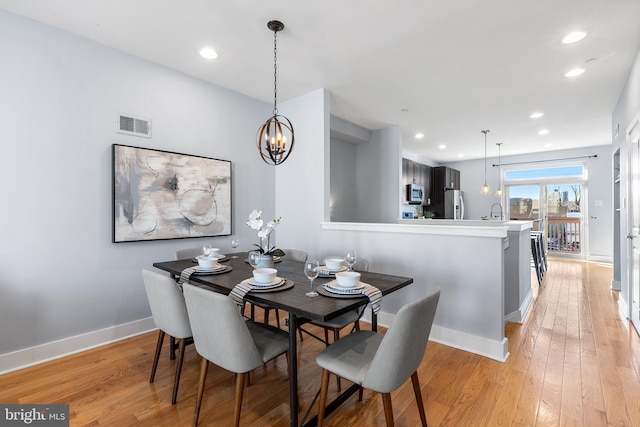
pixel 275 73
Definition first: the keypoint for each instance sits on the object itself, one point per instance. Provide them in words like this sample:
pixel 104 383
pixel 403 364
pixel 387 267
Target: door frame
pixel 633 215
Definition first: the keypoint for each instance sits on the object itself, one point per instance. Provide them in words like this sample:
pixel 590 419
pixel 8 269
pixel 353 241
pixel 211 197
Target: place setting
pixel 210 252
pixel 262 280
pixel 332 266
pixel 208 264
pixel 347 284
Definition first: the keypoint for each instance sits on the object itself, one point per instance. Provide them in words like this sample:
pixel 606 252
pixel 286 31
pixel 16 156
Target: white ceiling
pixel 457 66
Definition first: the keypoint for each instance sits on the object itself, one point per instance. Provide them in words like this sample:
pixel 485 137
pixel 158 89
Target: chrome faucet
pixel 500 216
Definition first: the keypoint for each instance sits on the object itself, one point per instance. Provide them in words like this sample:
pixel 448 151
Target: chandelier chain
pixel 275 73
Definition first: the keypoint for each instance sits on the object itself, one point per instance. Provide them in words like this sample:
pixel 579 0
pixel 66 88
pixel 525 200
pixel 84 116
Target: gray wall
pixel 61 275
pixel 343 181
pixel 599 184
pixel 627 107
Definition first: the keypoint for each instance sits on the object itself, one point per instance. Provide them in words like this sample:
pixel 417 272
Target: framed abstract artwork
pixel 159 195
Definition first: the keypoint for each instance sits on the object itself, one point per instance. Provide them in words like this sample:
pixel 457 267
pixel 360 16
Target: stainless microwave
pixel 415 194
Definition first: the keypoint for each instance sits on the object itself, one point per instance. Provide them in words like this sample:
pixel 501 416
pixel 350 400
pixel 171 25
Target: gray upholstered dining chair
pixel 223 337
pixel 169 314
pixel 341 322
pixel 295 255
pixel 188 253
pixel 383 363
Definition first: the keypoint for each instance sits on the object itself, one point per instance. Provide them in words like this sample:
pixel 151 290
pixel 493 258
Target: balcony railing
pixel 564 235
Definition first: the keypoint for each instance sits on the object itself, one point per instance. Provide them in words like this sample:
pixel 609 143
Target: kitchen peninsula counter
pixel 482 268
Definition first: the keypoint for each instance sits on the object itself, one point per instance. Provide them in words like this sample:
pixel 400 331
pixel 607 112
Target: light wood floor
pixel 573 362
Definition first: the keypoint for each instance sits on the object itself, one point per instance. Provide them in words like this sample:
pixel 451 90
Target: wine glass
pixel 350 258
pixel 254 257
pixel 311 271
pixel 206 249
pixel 234 244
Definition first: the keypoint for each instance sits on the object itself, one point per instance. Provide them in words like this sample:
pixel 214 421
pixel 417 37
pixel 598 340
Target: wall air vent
pixel 135 126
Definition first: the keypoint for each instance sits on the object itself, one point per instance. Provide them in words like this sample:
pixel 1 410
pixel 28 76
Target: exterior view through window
pixel 552 197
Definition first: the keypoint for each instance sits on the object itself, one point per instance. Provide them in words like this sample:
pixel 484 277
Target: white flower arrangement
pixel 264 234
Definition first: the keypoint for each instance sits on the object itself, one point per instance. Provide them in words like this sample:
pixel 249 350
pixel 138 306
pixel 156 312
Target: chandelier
pixel 275 138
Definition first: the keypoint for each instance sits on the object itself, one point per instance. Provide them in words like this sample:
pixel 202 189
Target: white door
pixel 633 138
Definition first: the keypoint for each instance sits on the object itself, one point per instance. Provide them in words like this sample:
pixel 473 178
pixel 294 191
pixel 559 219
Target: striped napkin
pixel 323 271
pixel 374 294
pixel 239 291
pixel 186 274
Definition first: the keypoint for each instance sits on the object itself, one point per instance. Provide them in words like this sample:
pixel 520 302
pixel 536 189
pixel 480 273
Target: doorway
pixel 554 199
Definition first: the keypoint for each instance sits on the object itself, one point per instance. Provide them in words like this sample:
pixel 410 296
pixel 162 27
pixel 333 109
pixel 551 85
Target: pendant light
pixel 485 188
pixel 499 192
pixel 275 138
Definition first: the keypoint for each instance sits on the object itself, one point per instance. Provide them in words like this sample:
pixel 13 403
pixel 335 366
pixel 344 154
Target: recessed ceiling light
pixel 419 135
pixel 208 53
pixel 543 131
pixel 575 72
pixel 548 144
pixel 442 146
pixel 576 36
pixel 460 156
pixel 536 115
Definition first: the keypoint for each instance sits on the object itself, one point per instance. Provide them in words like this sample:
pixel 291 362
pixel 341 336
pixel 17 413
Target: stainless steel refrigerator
pixel 453 204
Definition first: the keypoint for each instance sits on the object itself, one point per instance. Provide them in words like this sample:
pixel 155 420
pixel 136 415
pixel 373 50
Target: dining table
pixel 301 309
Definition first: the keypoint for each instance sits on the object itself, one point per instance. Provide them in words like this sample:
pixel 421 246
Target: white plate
pixel 324 270
pixel 278 281
pixel 333 285
pixel 209 269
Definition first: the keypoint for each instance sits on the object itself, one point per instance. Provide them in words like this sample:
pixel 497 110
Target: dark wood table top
pixel 293 300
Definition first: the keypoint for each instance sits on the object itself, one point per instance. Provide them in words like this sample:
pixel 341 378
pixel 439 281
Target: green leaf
pixel 277 252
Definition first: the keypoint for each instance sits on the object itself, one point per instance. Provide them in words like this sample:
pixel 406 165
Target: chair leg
pixel 204 367
pixel 418 393
pixel 336 337
pixel 176 381
pixel 240 379
pixel 388 409
pixel 324 388
pixel 157 355
pixel 278 318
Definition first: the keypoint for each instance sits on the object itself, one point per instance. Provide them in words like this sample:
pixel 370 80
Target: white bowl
pixel 334 264
pixel 264 275
pixel 206 262
pixel 348 279
pixel 214 253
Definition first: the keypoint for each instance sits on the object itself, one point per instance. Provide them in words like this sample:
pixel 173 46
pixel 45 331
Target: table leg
pixel 293 371
pixel 374 321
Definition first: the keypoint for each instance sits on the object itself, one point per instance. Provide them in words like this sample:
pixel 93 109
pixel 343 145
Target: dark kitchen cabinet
pixel 416 173
pixel 444 177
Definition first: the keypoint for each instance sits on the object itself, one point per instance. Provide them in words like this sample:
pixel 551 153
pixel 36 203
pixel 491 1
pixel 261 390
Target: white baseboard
pixel 522 312
pixel 605 259
pixel 623 309
pixel 54 350
pixel 497 350
pixel 616 285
